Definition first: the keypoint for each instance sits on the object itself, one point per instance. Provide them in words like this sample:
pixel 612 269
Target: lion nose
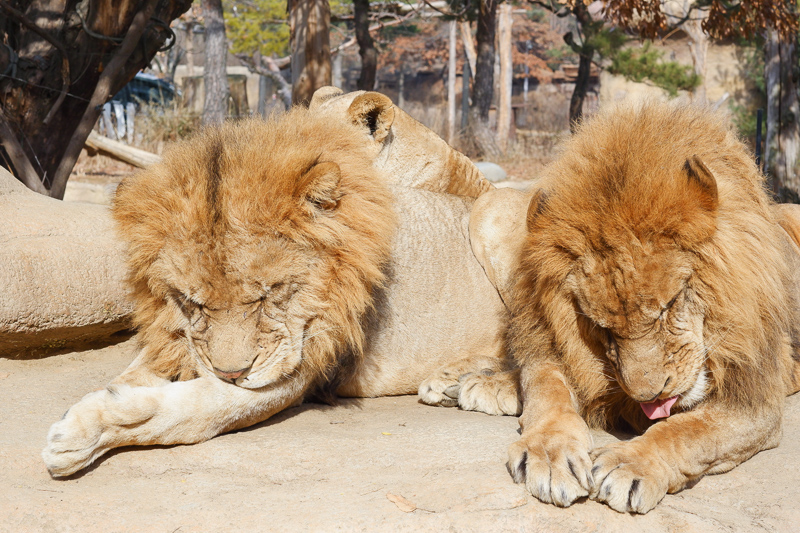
pixel 230 375
pixel 646 395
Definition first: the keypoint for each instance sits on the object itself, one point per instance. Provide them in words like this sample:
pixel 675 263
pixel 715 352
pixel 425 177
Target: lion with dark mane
pixel 657 291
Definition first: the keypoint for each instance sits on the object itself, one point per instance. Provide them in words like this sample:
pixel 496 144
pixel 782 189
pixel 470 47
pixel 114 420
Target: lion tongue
pixel 658 408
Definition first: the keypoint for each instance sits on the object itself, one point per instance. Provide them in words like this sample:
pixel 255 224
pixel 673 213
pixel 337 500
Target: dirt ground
pixel 322 468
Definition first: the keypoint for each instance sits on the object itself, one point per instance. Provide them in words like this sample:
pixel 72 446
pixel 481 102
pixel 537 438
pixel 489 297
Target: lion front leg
pixel 634 476
pixel 552 457
pixel 182 412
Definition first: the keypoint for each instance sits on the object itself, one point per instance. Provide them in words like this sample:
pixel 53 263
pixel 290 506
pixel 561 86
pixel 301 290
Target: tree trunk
pixel 504 114
pixel 337 70
pixel 581 86
pixel 451 84
pixel 483 80
pixel 783 112
pixel 366 47
pixel 51 94
pixel 585 53
pixel 686 15
pixel 466 74
pixel 698 47
pixel 469 44
pixel 309 22
pixel 483 84
pixel 215 76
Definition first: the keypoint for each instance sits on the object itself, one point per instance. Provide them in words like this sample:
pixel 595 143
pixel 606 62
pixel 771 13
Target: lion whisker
pixel 299 343
pixel 709 347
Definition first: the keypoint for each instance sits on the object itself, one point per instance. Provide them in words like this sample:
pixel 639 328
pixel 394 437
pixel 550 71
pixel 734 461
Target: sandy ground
pixel 322 468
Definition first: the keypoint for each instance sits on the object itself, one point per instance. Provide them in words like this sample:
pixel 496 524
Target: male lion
pixel 656 291
pixel 270 261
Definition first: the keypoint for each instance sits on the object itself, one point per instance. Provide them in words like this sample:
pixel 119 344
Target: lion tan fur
pixel 654 268
pixel 270 261
pixel 410 154
pixel 223 218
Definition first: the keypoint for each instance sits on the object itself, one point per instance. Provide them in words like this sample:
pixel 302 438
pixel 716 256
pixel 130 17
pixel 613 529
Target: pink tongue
pixel 658 408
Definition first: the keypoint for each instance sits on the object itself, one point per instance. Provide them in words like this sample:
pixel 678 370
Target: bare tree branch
pixel 264 67
pixel 99 97
pixel 22 165
pixel 447 13
pixel 269 67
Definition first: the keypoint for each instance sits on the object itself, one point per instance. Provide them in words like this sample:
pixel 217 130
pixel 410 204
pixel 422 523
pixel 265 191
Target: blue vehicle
pixel 148 89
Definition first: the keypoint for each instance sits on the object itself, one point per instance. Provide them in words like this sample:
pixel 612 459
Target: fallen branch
pixel 122 152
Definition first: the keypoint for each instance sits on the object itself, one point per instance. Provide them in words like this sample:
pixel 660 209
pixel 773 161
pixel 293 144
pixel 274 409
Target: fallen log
pixel 120 151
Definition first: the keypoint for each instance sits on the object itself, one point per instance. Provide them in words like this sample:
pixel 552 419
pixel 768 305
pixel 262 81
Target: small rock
pixel 491 171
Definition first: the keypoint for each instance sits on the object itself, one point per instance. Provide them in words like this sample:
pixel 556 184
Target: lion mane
pixel 246 203
pixel 608 189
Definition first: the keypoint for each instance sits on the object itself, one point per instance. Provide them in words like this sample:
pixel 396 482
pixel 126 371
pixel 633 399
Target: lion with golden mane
pixel 323 253
pixel 656 291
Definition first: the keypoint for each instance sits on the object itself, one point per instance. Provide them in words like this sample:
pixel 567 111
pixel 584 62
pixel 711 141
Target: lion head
pixel 653 264
pixel 408 153
pixel 254 248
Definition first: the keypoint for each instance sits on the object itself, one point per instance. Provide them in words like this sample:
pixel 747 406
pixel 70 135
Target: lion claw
pixel 626 482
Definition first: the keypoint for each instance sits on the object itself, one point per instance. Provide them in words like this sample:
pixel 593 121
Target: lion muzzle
pixel 641 369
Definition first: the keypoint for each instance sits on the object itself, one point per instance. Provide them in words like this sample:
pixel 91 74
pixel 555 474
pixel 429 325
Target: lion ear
pixel 536 206
pixel 374 112
pixel 702 184
pixel 320 185
pixel 322 95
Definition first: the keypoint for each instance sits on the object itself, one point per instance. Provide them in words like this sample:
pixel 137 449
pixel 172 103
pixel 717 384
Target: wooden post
pixel 465 76
pixel 505 20
pixel 781 155
pixel 401 88
pixel 264 86
pixel 337 70
pixel 451 85
pixel 190 48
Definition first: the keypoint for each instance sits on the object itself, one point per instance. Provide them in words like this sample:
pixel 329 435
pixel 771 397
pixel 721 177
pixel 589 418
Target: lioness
pixel 656 291
pixel 273 260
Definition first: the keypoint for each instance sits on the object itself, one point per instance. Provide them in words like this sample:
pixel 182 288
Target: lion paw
pixel 627 480
pixel 555 468
pixel 73 440
pixel 491 393
pixel 90 428
pixel 441 389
